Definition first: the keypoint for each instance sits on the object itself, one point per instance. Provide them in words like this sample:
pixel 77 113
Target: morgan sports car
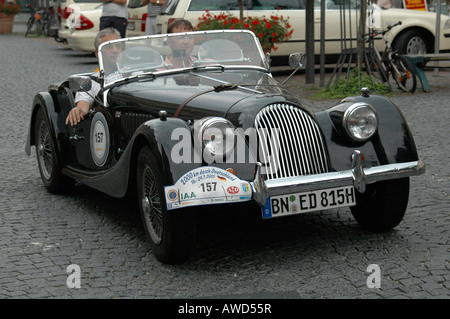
pixel 187 121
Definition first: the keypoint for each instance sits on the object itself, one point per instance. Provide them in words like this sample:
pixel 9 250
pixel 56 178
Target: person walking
pixel 153 10
pixel 114 15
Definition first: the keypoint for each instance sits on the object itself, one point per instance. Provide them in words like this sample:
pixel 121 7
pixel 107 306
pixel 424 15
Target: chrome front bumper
pixel 356 176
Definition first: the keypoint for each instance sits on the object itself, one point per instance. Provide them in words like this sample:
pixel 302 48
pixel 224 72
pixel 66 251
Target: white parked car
pixel 416 34
pixel 84 25
pixel 83 28
pixel 70 6
pixel 137 16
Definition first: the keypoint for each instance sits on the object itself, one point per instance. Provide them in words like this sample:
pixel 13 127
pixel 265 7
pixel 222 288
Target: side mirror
pixel 297 61
pixel 82 83
pixel 79 83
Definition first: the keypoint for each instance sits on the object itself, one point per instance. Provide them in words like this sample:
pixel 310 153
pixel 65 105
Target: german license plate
pixel 291 204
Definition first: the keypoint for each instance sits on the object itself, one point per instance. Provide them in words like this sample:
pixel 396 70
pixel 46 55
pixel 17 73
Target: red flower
pixel 268 25
pixel 255 22
pixel 246 25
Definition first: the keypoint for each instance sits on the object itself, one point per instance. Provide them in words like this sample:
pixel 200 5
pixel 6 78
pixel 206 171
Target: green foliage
pixel 352 86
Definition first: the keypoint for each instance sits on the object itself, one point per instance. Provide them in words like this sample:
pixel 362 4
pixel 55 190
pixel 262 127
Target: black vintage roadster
pixel 189 120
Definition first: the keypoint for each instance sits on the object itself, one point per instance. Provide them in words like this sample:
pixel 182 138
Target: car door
pixel 92 138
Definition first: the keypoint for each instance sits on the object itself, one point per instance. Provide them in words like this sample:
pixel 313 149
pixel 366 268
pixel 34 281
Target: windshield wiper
pixel 132 78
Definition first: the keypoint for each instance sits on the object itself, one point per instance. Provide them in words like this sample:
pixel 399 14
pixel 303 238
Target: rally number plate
pixel 291 204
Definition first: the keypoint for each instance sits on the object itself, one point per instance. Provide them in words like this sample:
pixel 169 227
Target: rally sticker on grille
pixel 205 186
pixel 291 204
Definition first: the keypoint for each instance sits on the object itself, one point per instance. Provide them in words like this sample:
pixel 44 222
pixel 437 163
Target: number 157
pixel 99 137
pixel 208 187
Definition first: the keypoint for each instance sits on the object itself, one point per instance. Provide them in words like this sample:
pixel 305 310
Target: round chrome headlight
pixel 217 138
pixel 360 121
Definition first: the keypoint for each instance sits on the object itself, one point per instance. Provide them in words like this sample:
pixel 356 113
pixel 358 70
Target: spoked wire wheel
pixel 377 70
pixel 403 73
pixel 151 206
pixel 50 172
pixel 29 25
pixel 45 150
pixel 171 233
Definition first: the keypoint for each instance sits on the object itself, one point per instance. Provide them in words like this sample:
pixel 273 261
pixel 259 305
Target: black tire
pixel 412 42
pixel 54 181
pixel 30 23
pixel 403 73
pixel 39 27
pixel 376 69
pixel 171 233
pixel 383 205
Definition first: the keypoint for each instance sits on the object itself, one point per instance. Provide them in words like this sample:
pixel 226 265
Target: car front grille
pixel 131 121
pixel 290 142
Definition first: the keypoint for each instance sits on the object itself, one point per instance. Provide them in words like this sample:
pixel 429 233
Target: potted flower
pixel 270 31
pixel 7 13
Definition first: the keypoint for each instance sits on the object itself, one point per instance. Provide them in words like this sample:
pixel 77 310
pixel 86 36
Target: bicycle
pixel 44 19
pixel 390 63
pixel 35 17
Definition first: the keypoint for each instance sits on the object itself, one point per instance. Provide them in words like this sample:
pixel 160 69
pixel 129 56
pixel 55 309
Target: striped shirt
pixel 153 9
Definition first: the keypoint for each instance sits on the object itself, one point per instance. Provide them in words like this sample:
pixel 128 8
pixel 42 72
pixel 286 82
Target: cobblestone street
pixel 239 255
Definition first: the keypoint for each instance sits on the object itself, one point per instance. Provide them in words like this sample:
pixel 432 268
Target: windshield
pixel 178 52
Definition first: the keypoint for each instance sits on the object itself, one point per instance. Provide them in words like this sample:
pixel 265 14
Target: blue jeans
pixel 120 24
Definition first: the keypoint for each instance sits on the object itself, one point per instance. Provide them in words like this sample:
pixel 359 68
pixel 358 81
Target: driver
pixel 84 101
pixel 182 46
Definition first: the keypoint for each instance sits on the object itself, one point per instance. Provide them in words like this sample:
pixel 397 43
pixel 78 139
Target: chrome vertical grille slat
pixel 294 145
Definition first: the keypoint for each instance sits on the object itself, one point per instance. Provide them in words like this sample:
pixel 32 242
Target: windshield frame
pixel 255 48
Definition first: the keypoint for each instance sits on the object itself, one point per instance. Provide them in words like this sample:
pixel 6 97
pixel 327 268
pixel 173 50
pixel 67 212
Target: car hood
pixel 192 96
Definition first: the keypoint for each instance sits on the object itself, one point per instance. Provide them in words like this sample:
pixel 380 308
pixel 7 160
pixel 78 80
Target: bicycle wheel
pixel 403 73
pixel 30 23
pixel 376 69
pixel 39 27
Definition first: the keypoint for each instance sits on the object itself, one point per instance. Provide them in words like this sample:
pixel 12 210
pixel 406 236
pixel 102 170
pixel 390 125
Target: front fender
pixel 173 143
pixel 162 135
pixel 393 142
pixel 45 100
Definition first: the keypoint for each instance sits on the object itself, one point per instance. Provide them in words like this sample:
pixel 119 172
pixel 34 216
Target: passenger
pixel 83 100
pixel 181 47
